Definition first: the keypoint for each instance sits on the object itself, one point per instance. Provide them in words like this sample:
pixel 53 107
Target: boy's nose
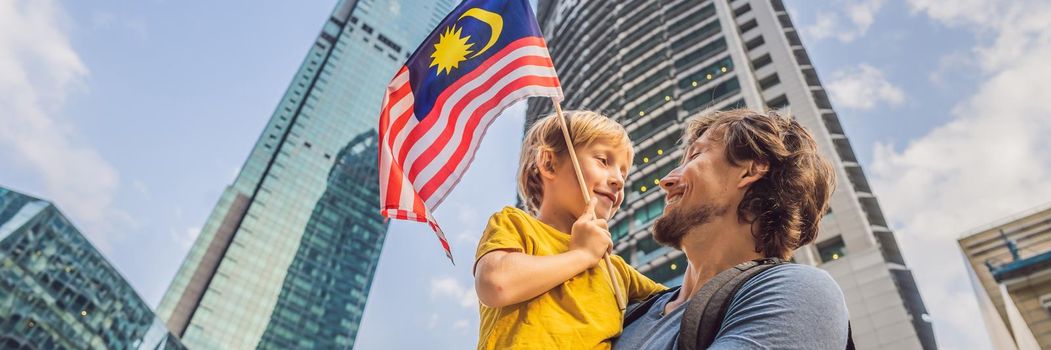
pixel 616 182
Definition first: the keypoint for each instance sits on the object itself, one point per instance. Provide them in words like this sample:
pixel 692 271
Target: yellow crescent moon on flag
pixel 495 22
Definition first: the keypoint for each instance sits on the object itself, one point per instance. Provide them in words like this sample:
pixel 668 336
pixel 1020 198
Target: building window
pixel 654 125
pixel 779 102
pixel 832 249
pixel 669 270
pixel 619 230
pixel 742 10
pixel 693 19
pixel 386 41
pixel 710 72
pixel 761 62
pixel 749 26
pixel 712 96
pixel 769 81
pixel 696 36
pixel 754 43
pixel 701 54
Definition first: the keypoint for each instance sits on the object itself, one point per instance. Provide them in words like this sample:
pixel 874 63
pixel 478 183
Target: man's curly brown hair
pixel 785 206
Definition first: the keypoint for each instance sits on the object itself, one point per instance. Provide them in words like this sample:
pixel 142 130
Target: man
pixel 750 186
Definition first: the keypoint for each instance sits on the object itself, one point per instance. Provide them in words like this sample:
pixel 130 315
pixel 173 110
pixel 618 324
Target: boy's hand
pixel 591 235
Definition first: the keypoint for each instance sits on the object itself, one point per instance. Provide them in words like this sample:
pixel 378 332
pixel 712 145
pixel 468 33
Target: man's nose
pixel 671 179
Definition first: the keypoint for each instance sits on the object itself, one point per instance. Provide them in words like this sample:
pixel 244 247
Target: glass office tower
pixel 58 292
pixel 287 256
pixel 652 64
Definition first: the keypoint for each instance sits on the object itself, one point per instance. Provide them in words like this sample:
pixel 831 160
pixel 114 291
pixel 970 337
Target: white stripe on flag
pixel 426 140
pixel 439 194
pixel 472 106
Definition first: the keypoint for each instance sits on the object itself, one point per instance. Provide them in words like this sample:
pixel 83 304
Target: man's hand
pixel 591 235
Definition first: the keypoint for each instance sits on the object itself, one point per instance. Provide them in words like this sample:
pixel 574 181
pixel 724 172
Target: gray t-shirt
pixel 789 306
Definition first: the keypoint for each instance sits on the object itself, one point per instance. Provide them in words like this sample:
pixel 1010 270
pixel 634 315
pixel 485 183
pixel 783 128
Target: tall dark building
pixel 652 64
pixel 58 292
pixel 286 258
pixel 322 286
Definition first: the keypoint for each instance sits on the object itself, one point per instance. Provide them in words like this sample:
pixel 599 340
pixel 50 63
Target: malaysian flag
pixel 482 58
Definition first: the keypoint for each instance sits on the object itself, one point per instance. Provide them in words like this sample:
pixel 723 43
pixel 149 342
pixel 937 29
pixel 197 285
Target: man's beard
pixel 671 227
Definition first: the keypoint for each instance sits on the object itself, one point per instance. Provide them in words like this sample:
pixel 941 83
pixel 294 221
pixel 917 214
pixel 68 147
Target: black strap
pixel 850 338
pixel 637 310
pixel 706 309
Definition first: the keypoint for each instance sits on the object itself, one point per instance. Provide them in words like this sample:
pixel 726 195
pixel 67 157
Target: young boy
pixel 539 275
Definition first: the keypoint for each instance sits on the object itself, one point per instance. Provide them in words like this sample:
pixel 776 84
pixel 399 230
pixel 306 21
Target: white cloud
pixel 863 87
pixel 38 70
pixel 859 15
pixel 450 288
pixel 991 160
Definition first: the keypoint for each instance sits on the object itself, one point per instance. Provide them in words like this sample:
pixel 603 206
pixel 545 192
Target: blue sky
pixel 133 116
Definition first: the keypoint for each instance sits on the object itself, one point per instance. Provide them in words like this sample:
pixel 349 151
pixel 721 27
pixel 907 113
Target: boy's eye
pixel 602 160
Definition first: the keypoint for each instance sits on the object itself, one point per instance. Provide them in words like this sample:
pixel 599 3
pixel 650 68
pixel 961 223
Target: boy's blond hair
pixel 585 127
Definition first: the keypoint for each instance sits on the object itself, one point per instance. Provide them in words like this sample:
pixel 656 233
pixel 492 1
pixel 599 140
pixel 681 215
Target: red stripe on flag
pixel 394 187
pixel 432 150
pixel 428 122
pixel 428 189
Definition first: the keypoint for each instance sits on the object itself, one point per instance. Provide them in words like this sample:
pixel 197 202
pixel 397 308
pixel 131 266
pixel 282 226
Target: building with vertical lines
pixel 652 64
pixel 287 257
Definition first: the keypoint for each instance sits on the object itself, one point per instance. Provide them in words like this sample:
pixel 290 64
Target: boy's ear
pixel 545 163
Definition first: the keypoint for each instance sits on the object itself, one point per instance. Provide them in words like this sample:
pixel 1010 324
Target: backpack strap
pixel 850 338
pixel 706 309
pixel 637 310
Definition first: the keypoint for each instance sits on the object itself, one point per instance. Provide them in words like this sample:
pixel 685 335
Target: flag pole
pixel 613 280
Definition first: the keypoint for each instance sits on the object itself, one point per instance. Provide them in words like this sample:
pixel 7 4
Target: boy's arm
pixel 505 277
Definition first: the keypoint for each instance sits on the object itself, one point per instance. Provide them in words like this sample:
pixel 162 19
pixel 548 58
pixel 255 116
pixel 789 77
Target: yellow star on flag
pixel 450 50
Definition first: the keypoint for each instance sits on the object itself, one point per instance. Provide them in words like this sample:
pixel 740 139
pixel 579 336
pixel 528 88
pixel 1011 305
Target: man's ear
pixel 753 171
pixel 545 163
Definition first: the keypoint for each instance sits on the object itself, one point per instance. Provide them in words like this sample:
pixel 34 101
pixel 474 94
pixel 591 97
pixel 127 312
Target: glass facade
pixel 287 256
pixel 58 292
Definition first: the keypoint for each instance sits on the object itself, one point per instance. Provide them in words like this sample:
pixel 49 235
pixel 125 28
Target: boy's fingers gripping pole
pixel 614 281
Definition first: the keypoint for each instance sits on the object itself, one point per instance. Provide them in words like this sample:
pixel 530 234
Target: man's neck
pixel 712 248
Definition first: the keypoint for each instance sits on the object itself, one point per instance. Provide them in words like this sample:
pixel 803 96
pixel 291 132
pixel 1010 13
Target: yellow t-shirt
pixel 581 313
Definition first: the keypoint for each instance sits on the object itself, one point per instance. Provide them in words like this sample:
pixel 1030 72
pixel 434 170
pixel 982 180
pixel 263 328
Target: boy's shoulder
pixel 512 213
pixel 514 219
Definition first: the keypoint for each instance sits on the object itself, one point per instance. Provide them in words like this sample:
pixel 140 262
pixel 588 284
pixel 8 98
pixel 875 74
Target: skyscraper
pixel 652 64
pixel 58 292
pixel 286 258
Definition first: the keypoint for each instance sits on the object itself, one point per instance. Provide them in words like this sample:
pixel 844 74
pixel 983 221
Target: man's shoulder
pixel 792 305
pixel 794 286
pixel 793 275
